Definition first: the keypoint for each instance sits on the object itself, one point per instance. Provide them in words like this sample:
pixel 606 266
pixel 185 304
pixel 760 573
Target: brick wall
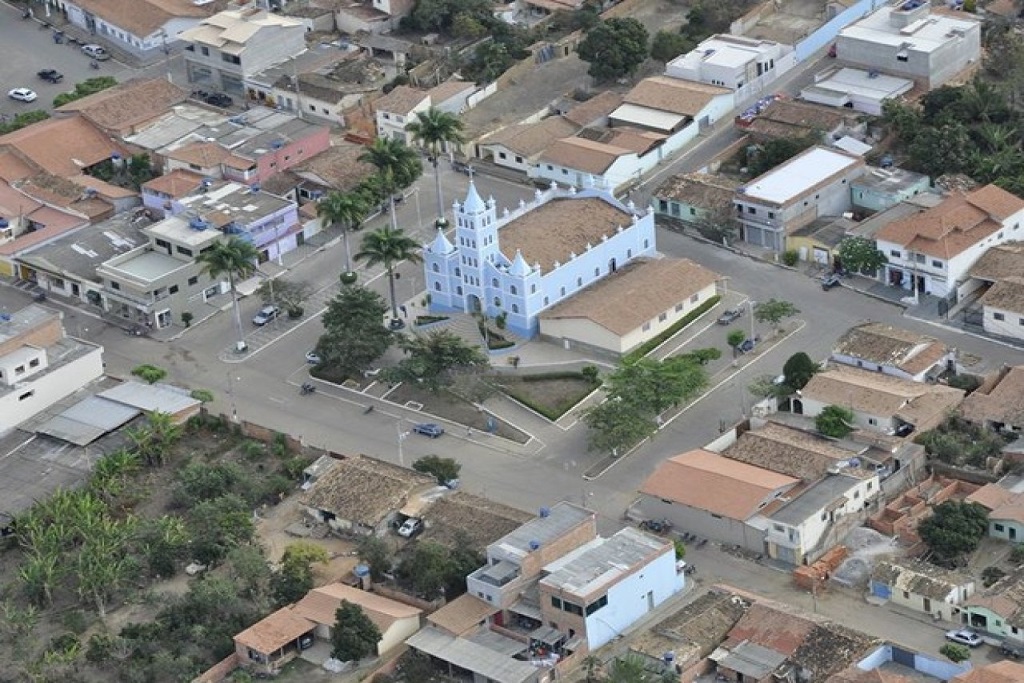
pixel 219 671
pixel 406 599
pixel 46 333
pixel 548 552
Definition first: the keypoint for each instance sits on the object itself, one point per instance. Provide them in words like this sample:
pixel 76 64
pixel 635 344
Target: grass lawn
pixel 551 395
pixel 450 407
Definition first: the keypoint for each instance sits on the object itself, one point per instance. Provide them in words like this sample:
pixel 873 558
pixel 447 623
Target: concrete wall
pixel 1006 529
pixel 827 33
pixel 703 523
pixel 624 169
pixel 875 200
pixel 1003 322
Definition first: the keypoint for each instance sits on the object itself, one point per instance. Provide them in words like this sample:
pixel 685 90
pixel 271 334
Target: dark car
pixel 218 100
pixel 747 346
pixel 829 281
pixel 51 75
pixel 428 429
pixel 730 316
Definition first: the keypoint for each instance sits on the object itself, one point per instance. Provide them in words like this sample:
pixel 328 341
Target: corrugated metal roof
pixel 151 397
pixel 87 420
pixel 470 656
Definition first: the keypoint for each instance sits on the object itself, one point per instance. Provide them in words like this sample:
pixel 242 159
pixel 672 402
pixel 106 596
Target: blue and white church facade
pixel 534 256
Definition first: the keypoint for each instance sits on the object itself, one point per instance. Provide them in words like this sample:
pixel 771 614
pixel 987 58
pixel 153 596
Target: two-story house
pixel 229 46
pixel 746 65
pixel 153 284
pixel 396 110
pixel 39 364
pixel 907 39
pixel 932 250
pixel 879 402
pixel 812 184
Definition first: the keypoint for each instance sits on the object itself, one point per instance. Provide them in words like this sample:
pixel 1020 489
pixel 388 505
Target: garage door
pixel 821 256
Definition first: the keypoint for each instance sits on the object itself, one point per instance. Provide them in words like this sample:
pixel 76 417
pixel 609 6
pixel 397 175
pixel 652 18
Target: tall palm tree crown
pixel 435 129
pixel 235 258
pixel 347 208
pixel 398 167
pixel 388 247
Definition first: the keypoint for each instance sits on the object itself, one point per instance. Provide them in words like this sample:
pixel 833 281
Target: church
pixel 534 256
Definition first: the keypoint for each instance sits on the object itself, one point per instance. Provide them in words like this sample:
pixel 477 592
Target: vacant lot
pixel 551 395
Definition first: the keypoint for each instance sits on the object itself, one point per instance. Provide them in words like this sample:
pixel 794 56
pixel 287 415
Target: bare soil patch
pixel 551 395
pixel 450 407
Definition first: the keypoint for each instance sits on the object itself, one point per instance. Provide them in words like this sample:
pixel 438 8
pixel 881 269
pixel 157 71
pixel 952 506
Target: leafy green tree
pixel 798 370
pixel 87 87
pixel 435 130
pixel 939 150
pixel 398 166
pixel 467 26
pixel 614 48
pixel 304 553
pixel 354 332
pixel 735 338
pixel 773 311
pixel 764 386
pixel 354 636
pixel 702 356
pixel 667 45
pixel 655 386
pixel 615 426
pixel 860 255
pixel 954 530
pixel 955 652
pixel 433 359
pixel 388 247
pixel 834 421
pixel 906 120
pixel 717 224
pixel 428 569
pixel 347 209
pixel 291 583
pixel 374 552
pixel 163 543
pixel 235 258
pixel 443 469
pixel 288 294
pixel 23 119
pixel 150 374
pixel 249 568
pixel 218 525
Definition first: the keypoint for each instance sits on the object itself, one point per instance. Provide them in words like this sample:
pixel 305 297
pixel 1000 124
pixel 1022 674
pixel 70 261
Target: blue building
pixel 532 257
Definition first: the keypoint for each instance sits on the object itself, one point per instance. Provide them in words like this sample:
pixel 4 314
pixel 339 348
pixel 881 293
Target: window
pixel 230 59
pixel 437 286
pixel 662 317
pixel 998 316
pixel 647 244
pixel 646 327
pixel 597 272
pixel 550 167
pixel 596 605
pixel 545 301
pixel 34 363
pixel 693 211
pixel 771 214
pixel 27 395
pixel 556 602
pixel 515 308
pixel 458 272
pixel 579 282
pixel 497 301
pixel 115 285
pixel 562 292
pixel 163 244
pixel 435 268
pixel 173 289
pixel 565 172
pixel 20 370
pixel 778 527
pixel 519 160
pixel 205 50
pixel 629 253
pixel 872 421
pixel 936 264
pixel 572 608
pixel 679 307
pixel 895 252
pixel 751 210
pixel 494 282
pixel 184 252
pixel 694 298
pixel 999 527
pixel 902 57
pixel 193 280
pixel 856 495
pixel 906 595
pixel 871 485
pixel 512 290
pixel 458 290
pixel 502 155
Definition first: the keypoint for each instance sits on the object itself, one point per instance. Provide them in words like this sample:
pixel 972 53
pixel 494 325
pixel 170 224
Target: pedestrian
pixel 469 431
pixel 405 313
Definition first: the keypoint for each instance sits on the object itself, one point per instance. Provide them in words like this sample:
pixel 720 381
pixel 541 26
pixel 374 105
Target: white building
pixel 671 106
pixel 892 351
pixel 580 162
pixel 812 184
pixel 141 26
pixel 931 251
pixel 39 365
pixel 922 587
pixel 746 65
pixel 229 46
pixel 907 39
pixel 396 110
pixel 855 89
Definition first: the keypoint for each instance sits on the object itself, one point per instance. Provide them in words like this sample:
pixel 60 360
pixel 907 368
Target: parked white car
pixel 22 95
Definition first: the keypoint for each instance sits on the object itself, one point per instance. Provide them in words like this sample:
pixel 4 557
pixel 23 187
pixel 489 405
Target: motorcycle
pixel 307 388
pixel 94 64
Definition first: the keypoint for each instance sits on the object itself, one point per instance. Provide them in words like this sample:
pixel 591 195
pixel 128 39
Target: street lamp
pixel 231 396
pixel 752 304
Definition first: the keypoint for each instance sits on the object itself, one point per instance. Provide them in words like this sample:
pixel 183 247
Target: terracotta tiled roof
pixel 129 104
pixel 275 631
pixel 337 167
pixel 321 604
pixel 62 146
pixel 461 517
pixel 695 630
pixel 770 628
pixel 144 17
pixel 530 139
pixel 1005 597
pixel 447 90
pixel 956 224
pixel 1000 262
pixel 1006 295
pixel 177 183
pixel 810 117
pixel 202 154
pixel 103 188
pixel 991 496
pixel 789 451
pixel 463 614
pixel 401 101
pixel 364 490
pixel 635 294
pixel 1006 671
pixel 830 648
pixel 580 154
pixel 999 399
pixel 706 481
pixel 699 189
pixel 922 405
pixel 673 95
pixel 13 167
pixel 890 346
pixel 634 139
pixel 594 109
pixel 581 221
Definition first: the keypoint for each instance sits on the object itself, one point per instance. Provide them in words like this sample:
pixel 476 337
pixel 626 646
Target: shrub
pixel 790 257
pixel 254 450
pixel 186 318
pixel 1017 554
pixel 966 382
pixel 150 374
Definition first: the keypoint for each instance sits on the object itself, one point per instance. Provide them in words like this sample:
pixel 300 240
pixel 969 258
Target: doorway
pixel 473 304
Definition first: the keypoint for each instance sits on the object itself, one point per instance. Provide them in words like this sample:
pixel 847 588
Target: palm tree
pixel 235 258
pixel 435 129
pixel 347 208
pixel 398 167
pixel 388 246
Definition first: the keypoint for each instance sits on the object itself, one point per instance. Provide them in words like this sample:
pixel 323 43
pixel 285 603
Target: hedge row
pixel 653 343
